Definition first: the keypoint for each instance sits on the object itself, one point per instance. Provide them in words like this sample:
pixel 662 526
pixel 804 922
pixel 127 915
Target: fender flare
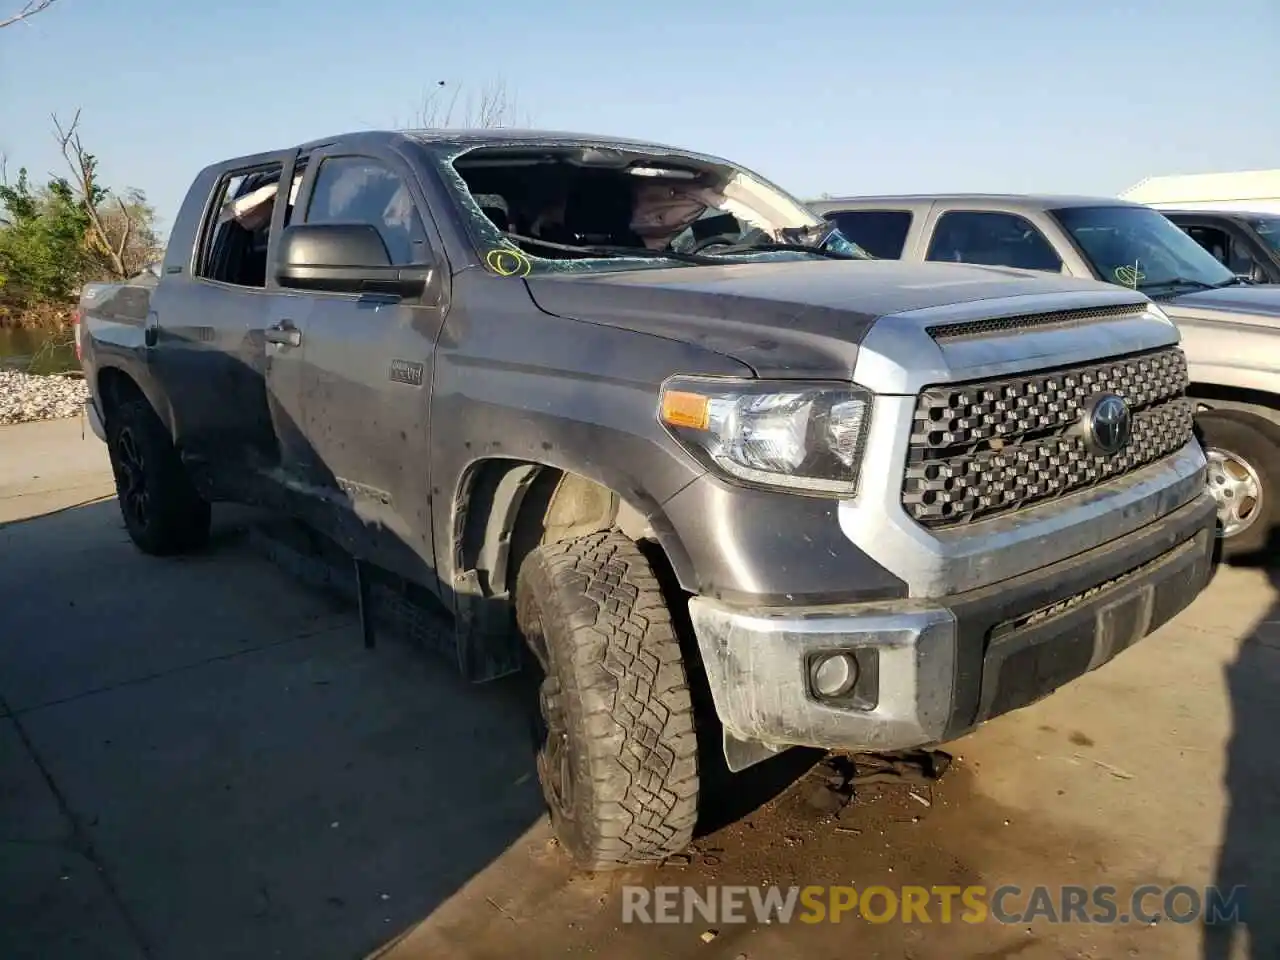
pixel 501 510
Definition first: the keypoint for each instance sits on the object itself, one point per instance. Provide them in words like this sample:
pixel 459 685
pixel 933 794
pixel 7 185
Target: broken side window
pixel 234 248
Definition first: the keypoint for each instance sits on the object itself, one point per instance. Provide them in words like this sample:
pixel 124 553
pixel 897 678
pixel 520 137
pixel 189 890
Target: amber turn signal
pixel 683 409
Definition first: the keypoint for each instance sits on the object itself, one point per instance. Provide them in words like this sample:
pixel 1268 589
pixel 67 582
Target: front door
pixel 1232 247
pixel 367 369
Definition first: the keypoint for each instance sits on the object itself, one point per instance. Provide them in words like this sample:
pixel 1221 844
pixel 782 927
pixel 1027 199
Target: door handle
pixel 283 333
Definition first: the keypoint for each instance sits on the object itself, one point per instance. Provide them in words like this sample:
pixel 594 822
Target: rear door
pixel 207 322
pixel 367 364
pixel 882 233
pixel 989 237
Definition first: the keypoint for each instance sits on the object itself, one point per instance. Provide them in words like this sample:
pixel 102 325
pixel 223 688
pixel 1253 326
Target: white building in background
pixel 1255 191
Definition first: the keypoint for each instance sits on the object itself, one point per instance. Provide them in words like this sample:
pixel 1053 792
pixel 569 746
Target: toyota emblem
pixel 1108 424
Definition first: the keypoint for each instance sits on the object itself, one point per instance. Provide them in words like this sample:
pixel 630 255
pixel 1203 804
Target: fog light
pixel 834 676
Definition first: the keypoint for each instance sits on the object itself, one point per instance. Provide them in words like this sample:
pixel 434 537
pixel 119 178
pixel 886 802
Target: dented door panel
pixel 367 375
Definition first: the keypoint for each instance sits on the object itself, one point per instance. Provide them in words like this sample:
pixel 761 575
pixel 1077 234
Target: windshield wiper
pixel 1179 281
pixel 607 250
pixel 1233 282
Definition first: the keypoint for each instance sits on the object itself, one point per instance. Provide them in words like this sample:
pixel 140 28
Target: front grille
pixel 986 448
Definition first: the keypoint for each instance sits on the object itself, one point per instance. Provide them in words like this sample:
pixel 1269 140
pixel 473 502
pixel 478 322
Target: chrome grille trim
pixel 980 449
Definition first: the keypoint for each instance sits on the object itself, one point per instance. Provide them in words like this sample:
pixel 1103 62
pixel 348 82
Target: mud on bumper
pixel 929 670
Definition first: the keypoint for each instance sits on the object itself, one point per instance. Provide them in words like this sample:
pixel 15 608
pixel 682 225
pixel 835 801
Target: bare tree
pixel 30 9
pixel 120 233
pixel 492 106
pixel 4 182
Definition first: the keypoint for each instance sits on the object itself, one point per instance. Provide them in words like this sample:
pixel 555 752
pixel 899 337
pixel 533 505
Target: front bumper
pixel 932 669
pixel 95 420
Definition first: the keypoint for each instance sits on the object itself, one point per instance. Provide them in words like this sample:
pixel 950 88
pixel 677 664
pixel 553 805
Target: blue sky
pixel 1000 95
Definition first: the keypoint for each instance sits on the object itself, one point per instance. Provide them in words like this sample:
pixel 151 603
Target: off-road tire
pixel 596 622
pixel 161 509
pixel 1256 442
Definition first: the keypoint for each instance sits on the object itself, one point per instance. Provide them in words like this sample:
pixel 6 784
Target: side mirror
pixel 345 258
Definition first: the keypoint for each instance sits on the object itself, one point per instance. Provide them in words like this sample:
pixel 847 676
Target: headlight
pixel 801 435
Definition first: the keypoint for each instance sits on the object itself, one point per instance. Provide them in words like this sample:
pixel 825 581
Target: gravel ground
pixel 25 397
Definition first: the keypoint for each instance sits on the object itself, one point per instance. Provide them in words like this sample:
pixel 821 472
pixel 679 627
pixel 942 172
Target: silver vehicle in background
pixel 1230 326
pixel 1248 244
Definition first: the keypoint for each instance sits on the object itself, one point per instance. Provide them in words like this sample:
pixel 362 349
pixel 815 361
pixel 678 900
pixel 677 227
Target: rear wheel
pixel 618 758
pixel 1244 468
pixel 161 509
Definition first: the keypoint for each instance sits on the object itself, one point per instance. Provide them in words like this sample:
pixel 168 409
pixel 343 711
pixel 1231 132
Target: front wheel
pixel 161 509
pixel 1244 469
pixel 618 759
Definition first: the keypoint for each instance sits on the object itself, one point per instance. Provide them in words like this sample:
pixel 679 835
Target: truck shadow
pixel 248 779
pixel 1249 855
pixel 725 796
pixel 403 605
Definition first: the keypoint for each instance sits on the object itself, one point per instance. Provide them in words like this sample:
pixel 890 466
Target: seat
pixel 253 269
pixel 495 207
pixel 1029 254
pixel 498 217
pixel 601 215
pixel 721 224
pixel 952 242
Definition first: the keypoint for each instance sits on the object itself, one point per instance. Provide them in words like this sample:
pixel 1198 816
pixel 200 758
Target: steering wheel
pixel 715 240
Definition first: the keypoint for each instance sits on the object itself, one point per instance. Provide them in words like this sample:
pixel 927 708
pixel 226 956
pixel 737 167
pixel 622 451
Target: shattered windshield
pixel 1139 248
pixel 565 207
pixel 1268 229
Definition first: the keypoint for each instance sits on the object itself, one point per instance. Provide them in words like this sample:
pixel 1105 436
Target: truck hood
pixel 794 318
pixel 1252 306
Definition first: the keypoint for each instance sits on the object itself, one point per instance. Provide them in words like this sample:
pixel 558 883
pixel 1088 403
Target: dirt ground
pixel 198 759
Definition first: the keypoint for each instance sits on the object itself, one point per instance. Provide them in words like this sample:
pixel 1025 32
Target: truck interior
pixel 1005 240
pixel 555 203
pixel 590 196
pixel 1139 247
pixel 237 245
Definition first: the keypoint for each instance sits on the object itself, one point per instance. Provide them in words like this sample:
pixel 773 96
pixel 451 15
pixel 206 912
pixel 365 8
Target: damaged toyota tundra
pixel 648 428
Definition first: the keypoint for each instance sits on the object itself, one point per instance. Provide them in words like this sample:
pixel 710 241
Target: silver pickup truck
pixel 1230 327
pixel 648 427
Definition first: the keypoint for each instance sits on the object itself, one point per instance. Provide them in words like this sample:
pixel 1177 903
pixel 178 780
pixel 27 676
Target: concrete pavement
pixel 50 466
pixel 197 759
